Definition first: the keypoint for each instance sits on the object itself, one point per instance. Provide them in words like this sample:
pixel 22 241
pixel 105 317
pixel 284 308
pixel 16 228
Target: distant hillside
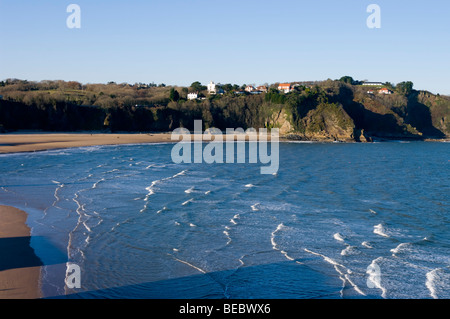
pixel 328 110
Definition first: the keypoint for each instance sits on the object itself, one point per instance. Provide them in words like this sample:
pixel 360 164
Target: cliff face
pixel 343 112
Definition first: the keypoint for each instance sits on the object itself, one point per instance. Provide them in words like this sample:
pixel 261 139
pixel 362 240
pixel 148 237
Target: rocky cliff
pixel 341 112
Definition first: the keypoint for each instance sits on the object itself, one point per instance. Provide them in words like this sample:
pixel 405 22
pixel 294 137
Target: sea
pixel 336 221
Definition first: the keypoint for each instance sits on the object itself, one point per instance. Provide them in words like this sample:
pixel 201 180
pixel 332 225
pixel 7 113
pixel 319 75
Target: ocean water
pixel 337 221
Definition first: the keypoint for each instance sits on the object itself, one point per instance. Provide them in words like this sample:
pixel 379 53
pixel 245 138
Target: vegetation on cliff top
pixel 338 110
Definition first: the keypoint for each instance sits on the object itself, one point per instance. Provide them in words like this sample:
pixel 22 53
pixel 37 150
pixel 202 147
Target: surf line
pixel 341 270
pixel 213 152
pixel 275 246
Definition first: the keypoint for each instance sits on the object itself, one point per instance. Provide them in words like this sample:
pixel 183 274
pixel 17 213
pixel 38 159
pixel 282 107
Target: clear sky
pixel 177 42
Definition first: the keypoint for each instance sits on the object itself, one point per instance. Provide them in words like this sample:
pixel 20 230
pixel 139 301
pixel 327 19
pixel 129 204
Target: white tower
pixel 212 88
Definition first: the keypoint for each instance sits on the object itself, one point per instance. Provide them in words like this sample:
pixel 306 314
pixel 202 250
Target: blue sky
pixel 177 42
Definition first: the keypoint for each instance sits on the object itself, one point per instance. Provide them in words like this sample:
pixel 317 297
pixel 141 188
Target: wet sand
pixel 19 266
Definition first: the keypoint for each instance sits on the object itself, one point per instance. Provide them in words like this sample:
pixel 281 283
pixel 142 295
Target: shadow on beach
pixel 17 252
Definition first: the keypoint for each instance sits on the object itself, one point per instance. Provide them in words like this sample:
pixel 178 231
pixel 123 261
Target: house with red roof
pixel 285 87
pixel 385 91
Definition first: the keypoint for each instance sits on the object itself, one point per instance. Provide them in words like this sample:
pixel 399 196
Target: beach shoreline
pixel 34 142
pixel 19 272
pixel 22 142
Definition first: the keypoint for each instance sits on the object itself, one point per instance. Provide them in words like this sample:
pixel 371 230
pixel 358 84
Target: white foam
pixel 287 256
pixel 192 225
pixel 374 280
pixel 272 236
pixel 349 250
pixel 379 230
pixel 96 183
pixel 161 210
pixel 372 211
pixel 190 190
pixel 187 202
pixel 366 244
pixel 275 246
pixel 189 264
pixel 179 174
pixel 400 248
pixel 432 277
pixel 207 192
pixel 254 207
pixel 227 234
pixel 151 192
pixel 249 185
pixel 338 237
pixel 341 270
pixel 233 220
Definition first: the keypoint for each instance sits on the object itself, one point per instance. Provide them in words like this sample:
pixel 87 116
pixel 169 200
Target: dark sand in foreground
pixel 19 266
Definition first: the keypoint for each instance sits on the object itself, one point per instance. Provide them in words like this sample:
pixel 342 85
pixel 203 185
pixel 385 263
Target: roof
pixel 285 84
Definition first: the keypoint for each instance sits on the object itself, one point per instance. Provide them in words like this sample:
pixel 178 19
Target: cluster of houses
pixel 381 91
pixel 214 89
pixel 282 87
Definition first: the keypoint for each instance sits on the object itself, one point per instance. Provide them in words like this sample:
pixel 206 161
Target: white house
pixel 250 88
pixel 285 87
pixel 192 96
pixel 372 83
pixel 384 91
pixel 262 88
pixel 212 88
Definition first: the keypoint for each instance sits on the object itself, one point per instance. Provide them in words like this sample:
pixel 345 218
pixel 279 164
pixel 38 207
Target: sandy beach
pixel 32 142
pixel 19 267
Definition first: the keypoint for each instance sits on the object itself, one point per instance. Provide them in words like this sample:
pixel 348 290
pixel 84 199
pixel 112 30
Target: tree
pixel 405 87
pixel 347 79
pixel 197 86
pixel 227 87
pixel 389 85
pixel 174 95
